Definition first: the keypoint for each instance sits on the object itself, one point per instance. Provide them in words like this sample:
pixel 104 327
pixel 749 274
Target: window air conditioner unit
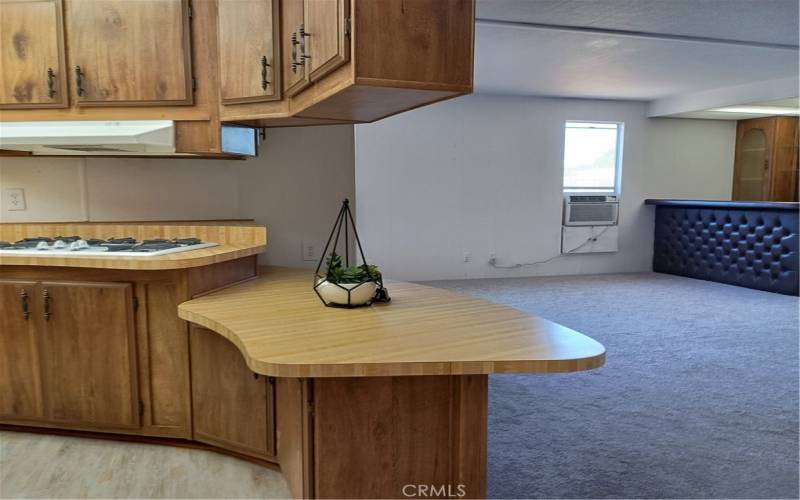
pixel 590 210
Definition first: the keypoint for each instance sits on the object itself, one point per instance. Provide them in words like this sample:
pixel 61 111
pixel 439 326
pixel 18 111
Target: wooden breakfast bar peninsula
pixel 204 348
pixel 373 400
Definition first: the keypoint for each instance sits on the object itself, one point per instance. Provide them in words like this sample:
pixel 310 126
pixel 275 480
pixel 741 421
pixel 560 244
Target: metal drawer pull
pixel 264 66
pixel 23 297
pixel 78 81
pixel 46 298
pixel 51 83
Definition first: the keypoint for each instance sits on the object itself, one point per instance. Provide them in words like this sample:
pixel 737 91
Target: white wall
pixel 298 191
pixel 483 174
pixel 294 187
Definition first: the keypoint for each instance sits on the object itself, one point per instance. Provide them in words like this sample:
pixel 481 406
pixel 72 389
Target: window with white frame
pixel 592 156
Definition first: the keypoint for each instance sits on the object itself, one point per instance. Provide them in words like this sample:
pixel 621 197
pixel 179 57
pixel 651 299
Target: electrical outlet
pixel 467 257
pixel 310 251
pixel 15 199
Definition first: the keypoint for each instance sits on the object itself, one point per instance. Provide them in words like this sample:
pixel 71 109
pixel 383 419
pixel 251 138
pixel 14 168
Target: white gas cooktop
pixel 112 248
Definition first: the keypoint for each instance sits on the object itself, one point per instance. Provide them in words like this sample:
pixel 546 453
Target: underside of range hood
pixel 85 138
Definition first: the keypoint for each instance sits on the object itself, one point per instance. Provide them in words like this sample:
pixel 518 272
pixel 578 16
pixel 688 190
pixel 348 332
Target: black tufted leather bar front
pixel 751 247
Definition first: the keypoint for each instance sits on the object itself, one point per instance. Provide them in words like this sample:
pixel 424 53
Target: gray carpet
pixel 698 397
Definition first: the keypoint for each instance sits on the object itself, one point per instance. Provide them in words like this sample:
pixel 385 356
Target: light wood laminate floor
pixel 45 466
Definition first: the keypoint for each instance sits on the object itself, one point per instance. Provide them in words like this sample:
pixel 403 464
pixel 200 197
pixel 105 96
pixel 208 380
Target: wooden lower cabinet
pixel 87 347
pixel 20 387
pixel 69 354
pixel 103 350
pixel 232 407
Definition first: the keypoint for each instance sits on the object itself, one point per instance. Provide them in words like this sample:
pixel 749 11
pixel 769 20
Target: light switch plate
pixel 15 199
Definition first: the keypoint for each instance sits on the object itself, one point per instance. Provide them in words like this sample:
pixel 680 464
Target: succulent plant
pixel 353 274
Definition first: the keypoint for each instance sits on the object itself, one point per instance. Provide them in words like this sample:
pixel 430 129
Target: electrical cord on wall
pixel 493 261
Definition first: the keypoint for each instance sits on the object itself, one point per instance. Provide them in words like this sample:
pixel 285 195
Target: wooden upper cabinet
pixel 315 39
pixel 766 162
pixel 424 42
pixel 88 354
pixel 295 71
pixel 249 55
pixel 32 54
pixel 327 36
pixel 125 52
pixel 20 387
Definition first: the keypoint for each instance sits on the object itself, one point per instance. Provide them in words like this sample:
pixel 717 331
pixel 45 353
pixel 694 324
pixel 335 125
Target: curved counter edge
pixel 561 350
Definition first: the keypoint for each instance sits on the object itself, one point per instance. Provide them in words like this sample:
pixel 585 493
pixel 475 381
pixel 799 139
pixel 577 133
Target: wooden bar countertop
pixel 283 330
pixel 236 239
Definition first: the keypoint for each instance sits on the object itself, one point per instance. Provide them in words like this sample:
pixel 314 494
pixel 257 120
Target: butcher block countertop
pixel 236 239
pixel 283 330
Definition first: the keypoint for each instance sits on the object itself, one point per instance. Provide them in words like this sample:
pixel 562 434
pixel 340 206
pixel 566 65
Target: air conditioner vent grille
pixel 587 199
pixel 590 212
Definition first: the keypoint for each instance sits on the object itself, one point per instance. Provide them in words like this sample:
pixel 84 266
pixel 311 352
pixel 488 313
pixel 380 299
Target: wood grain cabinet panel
pixel 20 387
pixel 400 431
pixel 767 158
pixel 327 40
pixel 166 377
pixel 233 408
pixel 32 54
pixel 88 354
pixel 357 61
pixel 399 35
pixel 249 55
pixel 295 72
pixel 126 52
pixel 295 435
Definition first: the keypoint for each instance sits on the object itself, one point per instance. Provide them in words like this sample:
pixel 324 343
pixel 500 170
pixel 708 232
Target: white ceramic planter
pixel 361 292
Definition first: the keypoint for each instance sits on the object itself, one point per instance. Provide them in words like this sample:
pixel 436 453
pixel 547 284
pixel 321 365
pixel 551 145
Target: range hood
pixel 84 138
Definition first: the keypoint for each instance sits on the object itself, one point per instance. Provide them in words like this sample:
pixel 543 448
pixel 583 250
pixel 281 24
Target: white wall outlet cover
pixel 309 251
pixel 14 199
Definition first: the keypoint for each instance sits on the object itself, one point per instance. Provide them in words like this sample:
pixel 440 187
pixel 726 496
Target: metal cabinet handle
pixel 294 51
pixel 264 66
pixel 51 83
pixel 46 301
pixel 303 35
pixel 79 81
pixel 23 297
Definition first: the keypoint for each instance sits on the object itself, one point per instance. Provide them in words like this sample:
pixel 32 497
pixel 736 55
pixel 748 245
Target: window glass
pixel 591 156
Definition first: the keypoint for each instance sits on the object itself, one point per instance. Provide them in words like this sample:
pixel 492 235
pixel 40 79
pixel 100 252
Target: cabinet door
pixel 248 57
pixel 785 160
pixel 32 55
pixel 295 435
pixel 125 52
pixel 751 174
pixel 295 71
pixel 88 354
pixel 233 407
pixel 20 387
pixel 328 38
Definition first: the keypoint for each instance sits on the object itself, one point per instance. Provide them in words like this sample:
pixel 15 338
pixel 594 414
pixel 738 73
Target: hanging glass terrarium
pixel 337 282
